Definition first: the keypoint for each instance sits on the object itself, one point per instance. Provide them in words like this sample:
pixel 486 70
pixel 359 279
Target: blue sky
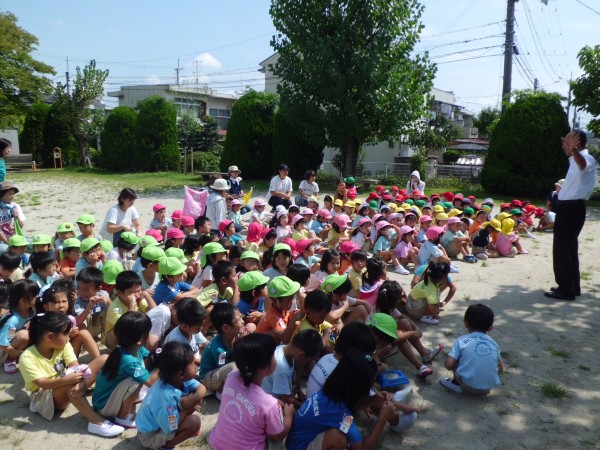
pixel 222 42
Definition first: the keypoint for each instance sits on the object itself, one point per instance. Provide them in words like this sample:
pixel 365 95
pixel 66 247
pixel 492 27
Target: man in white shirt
pixel 570 216
pixel 280 188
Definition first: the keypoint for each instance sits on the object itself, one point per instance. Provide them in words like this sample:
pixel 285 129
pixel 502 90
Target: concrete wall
pixel 12 136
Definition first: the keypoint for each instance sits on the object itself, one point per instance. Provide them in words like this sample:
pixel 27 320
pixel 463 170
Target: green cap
pixel 174 252
pixel 373 204
pixel 210 249
pixel 154 254
pixel 86 219
pixel 384 323
pixel 130 238
pixel 349 180
pixel 171 266
pixel 333 281
pixel 447 205
pixel 248 254
pixel 410 201
pixel 516 212
pixel 16 240
pixel 278 247
pixel 71 243
pixel 65 227
pixel 41 239
pixel 488 208
pixel 469 210
pixel 88 243
pixel 282 287
pixel 251 280
pixel 148 241
pixel 111 269
pixel 106 245
pixel 420 203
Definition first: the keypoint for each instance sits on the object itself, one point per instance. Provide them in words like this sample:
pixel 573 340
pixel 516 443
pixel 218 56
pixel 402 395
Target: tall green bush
pixel 418 161
pixel 57 134
pixel 249 142
pixel 156 146
pixel 291 147
pixel 31 138
pixel 118 140
pixel 525 155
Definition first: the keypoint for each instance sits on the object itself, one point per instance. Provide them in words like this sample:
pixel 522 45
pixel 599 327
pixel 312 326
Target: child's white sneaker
pixel 454 269
pixel 433 352
pixel 429 320
pixel 105 429
pixel 451 385
pixel 401 270
pixel 127 422
pixel 424 372
pixel 406 421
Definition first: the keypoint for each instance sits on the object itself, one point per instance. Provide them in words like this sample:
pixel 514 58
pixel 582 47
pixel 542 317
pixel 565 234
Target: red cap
pixel 449 196
pixel 539 212
pixel 156 234
pixel 380 188
pixel 254 231
pixel 177 214
pixel 458 197
pixel 402 191
pixel 187 221
pixel 434 195
pixel 264 232
pixel 175 233
pixel 505 205
pixel 416 192
pixel 387 197
pixel 471 197
pixel 348 247
pixel 224 224
pixel 394 188
pixel 516 202
pixel 156 208
pixel 302 245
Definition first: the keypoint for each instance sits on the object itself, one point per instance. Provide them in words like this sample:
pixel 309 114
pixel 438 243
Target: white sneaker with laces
pixel 454 269
pixel 401 270
pixel 105 429
pixel 429 320
pixel 127 422
pixel 406 421
pixel 433 352
pixel 451 385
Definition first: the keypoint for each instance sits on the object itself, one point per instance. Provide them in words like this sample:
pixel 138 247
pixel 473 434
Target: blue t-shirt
pixel 427 251
pixel 81 264
pixel 159 409
pixel 164 292
pixel 318 414
pixel 130 366
pixel 281 381
pixel 478 356
pixel 317 226
pixel 39 280
pixel 214 356
pixel 196 341
pixel 13 324
pixel 312 260
pixel 419 271
pixel 383 244
pixel 421 237
pixel 246 308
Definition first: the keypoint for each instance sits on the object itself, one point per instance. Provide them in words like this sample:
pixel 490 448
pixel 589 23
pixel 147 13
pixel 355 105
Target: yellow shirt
pixel 115 310
pixel 33 366
pixel 306 325
pixel 355 278
pixel 210 295
pixel 297 235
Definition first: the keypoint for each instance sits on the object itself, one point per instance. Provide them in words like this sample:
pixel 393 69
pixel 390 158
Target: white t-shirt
pixel 280 382
pixel 117 216
pixel 161 320
pixel 320 373
pixel 279 185
pixel 204 275
pixel 309 189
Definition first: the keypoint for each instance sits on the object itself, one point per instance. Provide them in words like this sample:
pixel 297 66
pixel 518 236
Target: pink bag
pixel 194 203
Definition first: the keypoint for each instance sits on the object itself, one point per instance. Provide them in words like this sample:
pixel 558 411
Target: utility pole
pixel 508 52
pixel 536 85
pixel 67 76
pixel 569 97
pixel 177 71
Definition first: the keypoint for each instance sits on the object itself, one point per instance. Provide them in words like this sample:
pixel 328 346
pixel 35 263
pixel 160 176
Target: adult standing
pixel 235 186
pixel 280 188
pixel 570 216
pixel 5 149
pixel 121 217
pixel 552 199
pixel 216 209
pixel 415 183
pixel 308 188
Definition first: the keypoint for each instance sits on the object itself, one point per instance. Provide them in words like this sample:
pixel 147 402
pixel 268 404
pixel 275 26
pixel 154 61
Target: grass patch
pixel 448 333
pixel 560 353
pixel 484 264
pixel 466 297
pixel 586 276
pixel 589 239
pixel 554 391
pixel 582 367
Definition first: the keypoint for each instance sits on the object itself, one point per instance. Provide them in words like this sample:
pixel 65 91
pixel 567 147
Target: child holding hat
pixel 253 291
pixel 64 231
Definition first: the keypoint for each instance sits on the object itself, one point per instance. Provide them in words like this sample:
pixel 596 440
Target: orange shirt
pixel 66 266
pixel 475 226
pixel 273 321
pixel 345 265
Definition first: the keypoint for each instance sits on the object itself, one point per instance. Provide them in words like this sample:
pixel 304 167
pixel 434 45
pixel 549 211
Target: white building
pixel 197 101
pixel 380 158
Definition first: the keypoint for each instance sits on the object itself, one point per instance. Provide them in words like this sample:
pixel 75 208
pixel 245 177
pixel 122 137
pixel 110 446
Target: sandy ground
pixel 542 341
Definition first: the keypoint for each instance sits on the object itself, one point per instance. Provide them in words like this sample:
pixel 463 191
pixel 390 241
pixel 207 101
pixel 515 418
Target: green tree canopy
pixel 208 137
pixel 118 139
pixel 31 138
pixel 586 89
pixel 21 76
pixel 434 133
pixel 156 136
pixel 57 133
pixel 84 121
pixel 485 121
pixel 250 134
pixel 525 155
pixel 349 73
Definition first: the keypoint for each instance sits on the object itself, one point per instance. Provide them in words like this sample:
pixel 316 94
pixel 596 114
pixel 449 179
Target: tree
pixel 433 134
pixel 188 132
pixel 31 138
pixel 208 137
pixel 57 133
pixel 349 73
pixel 525 155
pixel 292 146
pixel 586 87
pixel 485 121
pixel 21 76
pixel 156 136
pixel 250 134
pixel 88 87
pixel 118 139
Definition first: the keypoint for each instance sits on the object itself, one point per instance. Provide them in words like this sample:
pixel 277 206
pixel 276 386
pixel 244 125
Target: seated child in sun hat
pixel 86 224
pixel 160 221
pixel 405 251
pixel 344 309
pixel 253 292
pixel 507 239
pixel 361 235
pixel 124 253
pixel 546 220
pixel 172 288
pixel 321 224
pixel 432 249
pixel 339 230
pixel 300 230
pixel 279 320
pixel 150 259
pixel 483 245
pixel 64 231
pixel 425 222
pixel 480 217
pixel 423 302
pixel 235 215
pixel 71 253
pixel 455 242
pixel 384 244
pixel 259 214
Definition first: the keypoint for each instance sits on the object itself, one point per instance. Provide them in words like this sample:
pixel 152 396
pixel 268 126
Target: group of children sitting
pixel 303 296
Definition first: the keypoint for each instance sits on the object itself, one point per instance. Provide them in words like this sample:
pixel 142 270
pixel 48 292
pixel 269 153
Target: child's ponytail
pixel 388 296
pixel 375 269
pixel 436 272
pixel 50 322
pixel 252 353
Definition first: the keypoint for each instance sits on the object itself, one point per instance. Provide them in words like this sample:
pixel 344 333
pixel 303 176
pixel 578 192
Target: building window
pixel 222 116
pixel 196 108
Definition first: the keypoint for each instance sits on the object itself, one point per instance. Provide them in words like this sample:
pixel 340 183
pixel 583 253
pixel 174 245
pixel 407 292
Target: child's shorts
pixel 478 250
pixel 3 356
pixel 414 308
pixel 452 249
pixel 317 442
pixel 469 390
pixel 214 379
pixel 154 439
pixel 123 391
pixel 42 402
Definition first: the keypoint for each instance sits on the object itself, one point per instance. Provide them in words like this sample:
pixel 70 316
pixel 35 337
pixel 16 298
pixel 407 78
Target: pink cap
pixel 405 229
pixel 156 208
pixel 177 214
pixel 382 224
pixel 363 221
pixel 187 221
pixel 254 231
pixel 452 220
pixel 264 232
pixel 175 233
pixel 433 232
pixel 224 224
pixel 425 218
pixel 259 202
pixel 155 234
pixel 375 217
pixel 297 218
pixel 341 220
pixel 306 211
pixel 348 247
pixel 235 201
pixel 324 212
pixel 302 245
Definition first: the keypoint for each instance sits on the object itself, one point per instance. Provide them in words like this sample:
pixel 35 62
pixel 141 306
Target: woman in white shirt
pixel 308 188
pixel 121 217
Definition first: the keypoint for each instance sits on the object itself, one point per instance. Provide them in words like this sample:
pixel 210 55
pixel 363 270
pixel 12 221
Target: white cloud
pixel 154 79
pixel 206 61
pixel 59 23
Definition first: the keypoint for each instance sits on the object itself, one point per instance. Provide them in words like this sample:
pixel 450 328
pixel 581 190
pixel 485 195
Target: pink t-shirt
pixel 504 243
pixel 246 416
pixel 403 249
pixel 369 292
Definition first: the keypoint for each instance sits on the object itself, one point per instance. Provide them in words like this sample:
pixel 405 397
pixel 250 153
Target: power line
pixel 460 42
pixel 467 59
pixel 588 7
pixel 462 29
